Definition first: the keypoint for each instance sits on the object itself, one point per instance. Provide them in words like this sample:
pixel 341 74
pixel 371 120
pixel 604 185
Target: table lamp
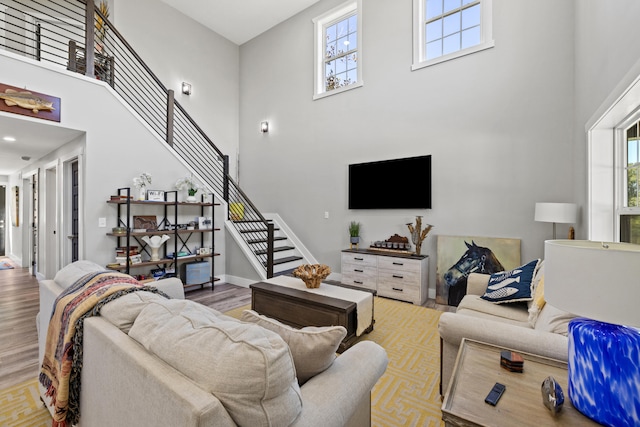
pixel 564 213
pixel 599 281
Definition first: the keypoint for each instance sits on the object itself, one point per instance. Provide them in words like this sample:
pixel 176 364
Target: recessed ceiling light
pixel 9 139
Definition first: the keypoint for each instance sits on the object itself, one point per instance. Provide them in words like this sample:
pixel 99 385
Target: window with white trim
pixel 629 185
pixel 447 29
pixel 338 65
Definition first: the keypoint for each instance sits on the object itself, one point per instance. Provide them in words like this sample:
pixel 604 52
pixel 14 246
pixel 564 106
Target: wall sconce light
pixel 186 88
pixel 264 127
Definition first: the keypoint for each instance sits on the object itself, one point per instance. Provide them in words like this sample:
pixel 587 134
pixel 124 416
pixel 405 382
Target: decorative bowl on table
pixel 312 274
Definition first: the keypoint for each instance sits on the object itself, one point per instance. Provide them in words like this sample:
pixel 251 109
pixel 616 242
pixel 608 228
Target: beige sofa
pixel 124 383
pixel 518 326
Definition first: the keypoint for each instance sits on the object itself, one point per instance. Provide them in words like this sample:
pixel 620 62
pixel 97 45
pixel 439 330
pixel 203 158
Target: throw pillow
pixel 122 312
pixel 537 303
pixel 248 368
pixel 554 320
pixel 511 286
pixel 313 348
pixel 69 274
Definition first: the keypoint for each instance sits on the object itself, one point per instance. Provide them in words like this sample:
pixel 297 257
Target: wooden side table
pixel 478 369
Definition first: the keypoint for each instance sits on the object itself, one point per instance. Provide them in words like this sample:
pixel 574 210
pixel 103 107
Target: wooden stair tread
pixel 278 249
pixel 285 260
pixel 256 241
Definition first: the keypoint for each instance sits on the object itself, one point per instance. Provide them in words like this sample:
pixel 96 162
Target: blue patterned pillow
pixel 511 286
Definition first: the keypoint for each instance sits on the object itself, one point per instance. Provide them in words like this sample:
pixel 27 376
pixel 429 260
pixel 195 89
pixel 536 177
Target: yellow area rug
pixel 406 395
pixel 20 406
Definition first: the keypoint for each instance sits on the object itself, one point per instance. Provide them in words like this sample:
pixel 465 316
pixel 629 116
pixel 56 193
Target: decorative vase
pixel 191 199
pixel 142 194
pixel 154 243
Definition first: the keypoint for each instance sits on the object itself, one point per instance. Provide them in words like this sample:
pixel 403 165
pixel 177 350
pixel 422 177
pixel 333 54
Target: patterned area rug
pixel 5 265
pixel 407 394
pixel 20 406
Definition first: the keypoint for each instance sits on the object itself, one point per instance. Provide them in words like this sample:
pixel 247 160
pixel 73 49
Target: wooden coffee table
pixel 478 369
pixel 299 309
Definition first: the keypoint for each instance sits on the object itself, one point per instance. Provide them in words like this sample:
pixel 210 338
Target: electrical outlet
pixel 102 222
pixel 326 215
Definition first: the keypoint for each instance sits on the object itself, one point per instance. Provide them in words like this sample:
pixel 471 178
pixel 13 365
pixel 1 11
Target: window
pixel 630 207
pixel 338 50
pixel 447 29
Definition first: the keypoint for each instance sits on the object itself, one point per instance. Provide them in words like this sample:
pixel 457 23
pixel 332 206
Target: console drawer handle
pixel 359 259
pixel 398 289
pixel 398 263
pixel 359 283
pixel 395 276
pixel 358 271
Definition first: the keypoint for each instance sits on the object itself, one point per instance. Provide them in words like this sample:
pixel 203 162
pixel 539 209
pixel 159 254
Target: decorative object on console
pixel 140 183
pixel 418 234
pixel 564 213
pixel 354 233
pixel 552 395
pixel 457 258
pixel 312 274
pixel 154 243
pixel 599 280
pixel 191 185
pixel 395 243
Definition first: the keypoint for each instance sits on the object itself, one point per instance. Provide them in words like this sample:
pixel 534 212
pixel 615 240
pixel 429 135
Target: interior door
pixel 34 224
pixel 3 202
pixel 51 254
pixel 74 211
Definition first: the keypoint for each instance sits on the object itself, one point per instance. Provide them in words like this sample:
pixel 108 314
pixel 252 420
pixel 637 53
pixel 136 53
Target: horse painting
pixel 476 259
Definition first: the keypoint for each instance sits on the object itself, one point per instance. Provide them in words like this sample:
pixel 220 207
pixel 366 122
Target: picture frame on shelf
pixel 147 222
pixel 204 223
pixel 155 195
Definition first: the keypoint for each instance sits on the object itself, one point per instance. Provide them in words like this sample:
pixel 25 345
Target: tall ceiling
pixel 237 20
pixel 240 20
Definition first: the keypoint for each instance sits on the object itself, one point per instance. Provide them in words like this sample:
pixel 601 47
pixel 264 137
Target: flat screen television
pixel 391 184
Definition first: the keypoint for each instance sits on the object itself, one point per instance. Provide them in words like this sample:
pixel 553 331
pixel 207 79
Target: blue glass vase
pixel 604 372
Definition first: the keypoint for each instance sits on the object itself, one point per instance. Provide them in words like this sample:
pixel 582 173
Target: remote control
pixel 495 394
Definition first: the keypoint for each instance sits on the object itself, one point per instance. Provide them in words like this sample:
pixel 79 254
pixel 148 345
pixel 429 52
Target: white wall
pixel 117 147
pixel 498 124
pixel 607 62
pixel 179 49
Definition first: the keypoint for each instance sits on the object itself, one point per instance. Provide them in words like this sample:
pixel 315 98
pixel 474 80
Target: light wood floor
pixel 19 304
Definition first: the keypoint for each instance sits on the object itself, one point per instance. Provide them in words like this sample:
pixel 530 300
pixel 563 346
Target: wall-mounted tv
pixel 391 184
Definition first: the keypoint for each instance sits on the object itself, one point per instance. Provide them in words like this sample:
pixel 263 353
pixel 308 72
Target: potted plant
pixel 141 182
pixel 354 233
pixel 191 185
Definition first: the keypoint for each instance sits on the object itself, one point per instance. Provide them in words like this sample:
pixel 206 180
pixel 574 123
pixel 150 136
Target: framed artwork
pixel 155 195
pixel 29 103
pixel 15 206
pixel 204 222
pixel 147 222
pixel 458 256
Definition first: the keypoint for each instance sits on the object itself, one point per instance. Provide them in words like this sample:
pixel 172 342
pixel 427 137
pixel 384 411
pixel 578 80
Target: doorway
pixel 3 202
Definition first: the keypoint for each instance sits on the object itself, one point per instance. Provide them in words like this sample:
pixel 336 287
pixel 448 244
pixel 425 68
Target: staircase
pixel 253 237
pixel 268 243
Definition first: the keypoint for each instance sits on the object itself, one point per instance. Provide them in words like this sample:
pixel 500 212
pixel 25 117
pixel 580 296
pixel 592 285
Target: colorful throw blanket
pixel 60 373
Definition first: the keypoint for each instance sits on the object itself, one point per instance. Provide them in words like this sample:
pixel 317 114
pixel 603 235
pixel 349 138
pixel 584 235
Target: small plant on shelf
pixel 140 183
pixel 190 184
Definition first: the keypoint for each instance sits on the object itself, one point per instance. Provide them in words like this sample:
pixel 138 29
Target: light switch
pixel 326 215
pixel 102 222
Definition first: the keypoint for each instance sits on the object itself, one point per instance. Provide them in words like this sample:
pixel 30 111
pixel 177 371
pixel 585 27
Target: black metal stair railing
pixel 56 32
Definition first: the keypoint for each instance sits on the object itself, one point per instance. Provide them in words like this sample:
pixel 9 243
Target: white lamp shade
pixel 597 280
pixel 556 212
